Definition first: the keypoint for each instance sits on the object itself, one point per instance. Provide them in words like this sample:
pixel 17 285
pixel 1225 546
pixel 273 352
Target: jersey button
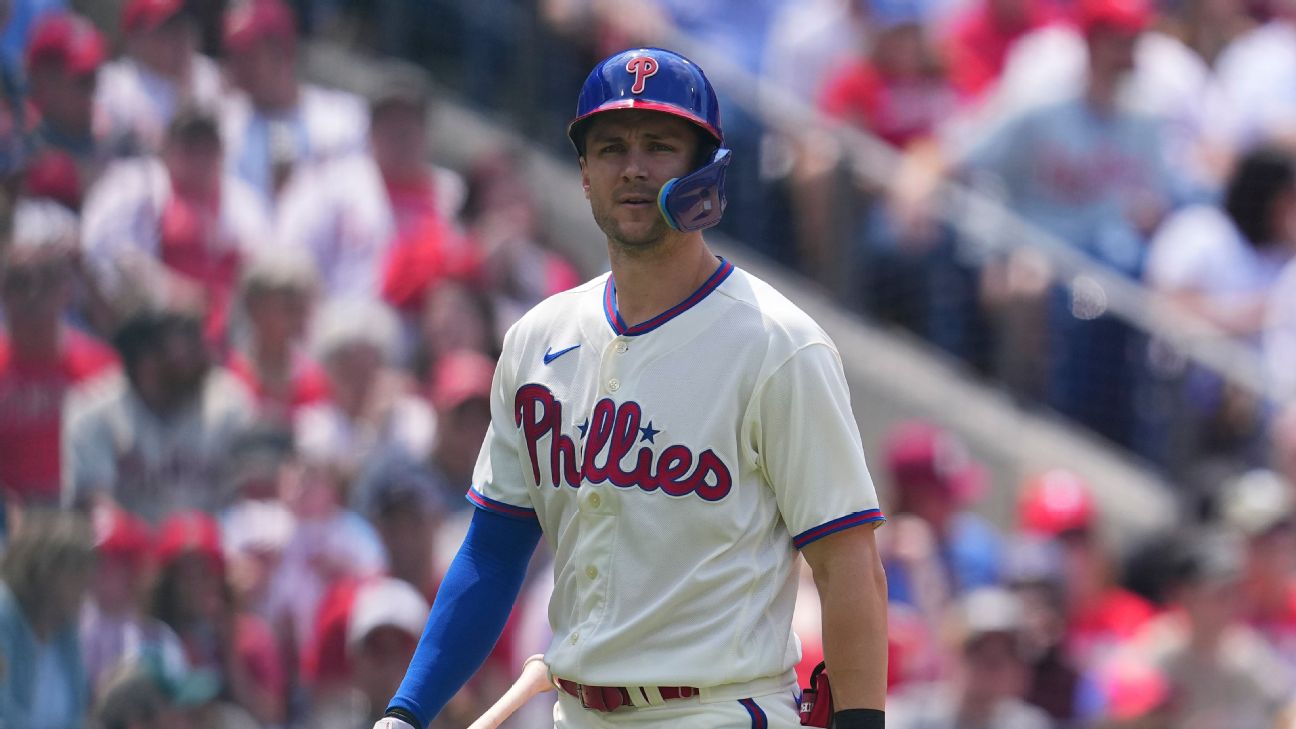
pixel 574 638
pixel 591 572
pixel 595 500
pixel 621 348
pixel 613 385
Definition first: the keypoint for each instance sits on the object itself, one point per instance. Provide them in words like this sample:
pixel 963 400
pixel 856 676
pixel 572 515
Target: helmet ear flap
pixel 697 200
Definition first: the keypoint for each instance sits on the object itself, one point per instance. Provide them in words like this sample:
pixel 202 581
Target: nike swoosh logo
pixel 550 355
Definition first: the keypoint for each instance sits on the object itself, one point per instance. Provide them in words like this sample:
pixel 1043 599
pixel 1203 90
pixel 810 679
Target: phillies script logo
pixel 642 67
pixel 613 433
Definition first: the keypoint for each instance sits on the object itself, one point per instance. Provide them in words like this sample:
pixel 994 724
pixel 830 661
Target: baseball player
pixel 679 432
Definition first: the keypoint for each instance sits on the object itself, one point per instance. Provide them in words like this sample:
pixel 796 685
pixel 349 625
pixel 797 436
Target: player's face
pixel 629 155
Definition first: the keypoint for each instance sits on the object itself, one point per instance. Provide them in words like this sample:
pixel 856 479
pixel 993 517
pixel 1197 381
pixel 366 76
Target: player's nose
pixel 636 167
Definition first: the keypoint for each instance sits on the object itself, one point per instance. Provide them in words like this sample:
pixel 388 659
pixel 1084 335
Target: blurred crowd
pixel 1154 138
pixel 250 327
pixel 249 337
pixel 1043 623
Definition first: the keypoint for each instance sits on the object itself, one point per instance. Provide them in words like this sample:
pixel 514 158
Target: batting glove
pixel 391 722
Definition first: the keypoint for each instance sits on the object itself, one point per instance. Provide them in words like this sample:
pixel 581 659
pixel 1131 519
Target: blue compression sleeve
pixel 469 613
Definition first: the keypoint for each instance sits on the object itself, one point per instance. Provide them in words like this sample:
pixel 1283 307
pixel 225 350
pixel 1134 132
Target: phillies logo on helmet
pixel 642 67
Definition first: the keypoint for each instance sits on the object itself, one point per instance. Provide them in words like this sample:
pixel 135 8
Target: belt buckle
pixel 580 694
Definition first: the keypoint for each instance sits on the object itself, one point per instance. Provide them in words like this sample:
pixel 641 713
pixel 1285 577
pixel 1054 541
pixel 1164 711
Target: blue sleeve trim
pixel 468 616
pixel 836 525
pixel 476 498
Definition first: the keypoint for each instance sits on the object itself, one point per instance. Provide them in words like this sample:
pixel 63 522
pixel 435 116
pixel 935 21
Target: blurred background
pixel 258 258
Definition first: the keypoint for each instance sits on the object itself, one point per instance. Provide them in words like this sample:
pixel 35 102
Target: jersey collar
pixel 622 329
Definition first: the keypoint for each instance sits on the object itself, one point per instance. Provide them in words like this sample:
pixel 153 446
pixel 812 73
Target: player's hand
pixel 391 722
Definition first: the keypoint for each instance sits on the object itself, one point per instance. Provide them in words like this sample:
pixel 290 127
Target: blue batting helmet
pixel 655 79
pixel 647 78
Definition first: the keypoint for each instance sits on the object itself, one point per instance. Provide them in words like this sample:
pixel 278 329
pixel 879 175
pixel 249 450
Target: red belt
pixel 611 698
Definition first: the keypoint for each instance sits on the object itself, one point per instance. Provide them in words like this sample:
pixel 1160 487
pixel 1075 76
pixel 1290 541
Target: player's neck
pixel 647 285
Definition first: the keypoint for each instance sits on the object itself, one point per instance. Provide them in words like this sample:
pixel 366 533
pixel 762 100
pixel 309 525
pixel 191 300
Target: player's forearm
pixel 469 613
pixel 852 590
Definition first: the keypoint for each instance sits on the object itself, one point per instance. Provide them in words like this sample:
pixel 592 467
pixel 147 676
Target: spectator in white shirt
pixel 114 627
pixel 383 222
pixel 157 439
pixel 160 73
pixel 1222 262
pixel 275 123
pixel 371 405
pixel 174 221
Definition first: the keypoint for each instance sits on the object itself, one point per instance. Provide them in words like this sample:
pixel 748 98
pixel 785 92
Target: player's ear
pixel 585 182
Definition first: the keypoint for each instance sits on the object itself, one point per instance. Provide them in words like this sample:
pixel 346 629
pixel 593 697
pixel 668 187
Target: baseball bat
pixel 533 681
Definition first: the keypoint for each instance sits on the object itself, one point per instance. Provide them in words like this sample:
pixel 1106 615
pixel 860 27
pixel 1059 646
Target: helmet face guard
pixel 658 80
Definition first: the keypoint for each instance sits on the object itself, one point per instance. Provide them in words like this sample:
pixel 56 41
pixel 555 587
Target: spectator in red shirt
pixel 1058 505
pixel 276 291
pixel 900 89
pixel 978 42
pixel 40 358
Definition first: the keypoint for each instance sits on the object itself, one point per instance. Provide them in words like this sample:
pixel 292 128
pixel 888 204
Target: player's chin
pixel 639 233
pixel 641 239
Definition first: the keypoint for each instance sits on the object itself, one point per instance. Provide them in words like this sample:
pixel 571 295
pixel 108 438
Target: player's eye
pixel 661 147
pixel 612 148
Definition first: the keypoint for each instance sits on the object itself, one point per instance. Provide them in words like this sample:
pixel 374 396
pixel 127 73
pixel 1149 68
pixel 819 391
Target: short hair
pixel 144 329
pixel 39 230
pixel 43 223
pixel 402 88
pixel 343 322
pixel 278 269
pixel 1261 176
pixel 131 693
pixel 46 543
pixel 193 126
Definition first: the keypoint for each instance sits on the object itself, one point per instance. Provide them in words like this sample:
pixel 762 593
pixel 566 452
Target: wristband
pixel 859 719
pixel 396 712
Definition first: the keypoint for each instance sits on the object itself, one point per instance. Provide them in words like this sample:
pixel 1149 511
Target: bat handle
pixel 533 681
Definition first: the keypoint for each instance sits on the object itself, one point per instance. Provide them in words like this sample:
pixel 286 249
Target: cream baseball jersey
pixel 675 467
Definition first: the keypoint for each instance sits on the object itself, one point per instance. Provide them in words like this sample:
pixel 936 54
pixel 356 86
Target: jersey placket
pixel 599 504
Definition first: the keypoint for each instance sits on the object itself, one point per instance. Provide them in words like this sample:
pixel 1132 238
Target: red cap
pixel 1134 689
pixel 1054 502
pixel 460 376
pixel 919 452
pixel 190 532
pixel 54 174
pixel 325 656
pixel 68 41
pixel 254 20
pixel 1128 16
pixel 119 533
pixel 149 14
